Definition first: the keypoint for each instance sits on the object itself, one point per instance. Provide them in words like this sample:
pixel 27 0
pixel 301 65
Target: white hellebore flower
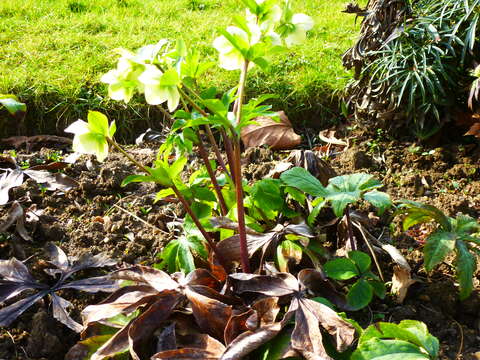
pixel 91 137
pixel 230 57
pixel 160 87
pixel 300 24
pixel 123 81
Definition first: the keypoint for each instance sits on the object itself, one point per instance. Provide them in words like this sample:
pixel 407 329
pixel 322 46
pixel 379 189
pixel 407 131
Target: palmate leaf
pixel 267 193
pixel 178 255
pixel 16 279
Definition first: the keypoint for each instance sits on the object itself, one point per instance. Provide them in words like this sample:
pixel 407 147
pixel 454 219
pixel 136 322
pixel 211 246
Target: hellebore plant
pixel 167 73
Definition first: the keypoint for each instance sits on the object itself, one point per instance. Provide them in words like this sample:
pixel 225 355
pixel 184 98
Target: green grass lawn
pixel 53 52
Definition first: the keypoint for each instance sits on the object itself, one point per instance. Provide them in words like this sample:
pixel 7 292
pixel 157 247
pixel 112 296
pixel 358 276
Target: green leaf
pixel 421 213
pixel 438 245
pixel 12 104
pixel 360 294
pixel 378 288
pixel 466 264
pixel 340 269
pixel 288 251
pixel 136 178
pixel 177 167
pixel 177 255
pixel 268 194
pixel 341 200
pixel 378 199
pixel 421 336
pixel 376 349
pixel 90 345
pixel 170 78
pixel 98 123
pixel 203 193
pixel 296 194
pixel 301 179
pixel 164 193
pixel 360 259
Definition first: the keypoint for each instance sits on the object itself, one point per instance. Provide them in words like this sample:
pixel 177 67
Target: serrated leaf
pixel 376 349
pixel 438 245
pixel 378 199
pixel 267 193
pixel 340 269
pixel 466 264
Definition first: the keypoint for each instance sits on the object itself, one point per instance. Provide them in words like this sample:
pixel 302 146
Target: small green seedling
pixel 409 340
pixel 356 265
pixel 459 235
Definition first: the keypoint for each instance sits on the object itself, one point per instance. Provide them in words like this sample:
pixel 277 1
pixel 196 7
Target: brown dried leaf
pixel 474 130
pixel 56 181
pixel 16 215
pixel 203 348
pixel 211 314
pixel 8 180
pixel 251 340
pixel 143 327
pixel 56 165
pixel 236 325
pixel 36 141
pixel 328 136
pixel 277 285
pixel 279 135
pixel 230 247
pixel 401 281
pixel 266 311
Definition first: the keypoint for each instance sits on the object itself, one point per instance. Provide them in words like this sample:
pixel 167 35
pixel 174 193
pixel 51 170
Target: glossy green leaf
pixel 378 199
pixel 340 269
pixel 423 213
pixel 137 178
pixel 438 245
pixel 301 179
pixel 360 294
pixel 361 260
pixel 268 194
pixel 376 349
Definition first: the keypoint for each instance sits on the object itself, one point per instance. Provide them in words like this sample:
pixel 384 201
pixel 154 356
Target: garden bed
pixel 101 216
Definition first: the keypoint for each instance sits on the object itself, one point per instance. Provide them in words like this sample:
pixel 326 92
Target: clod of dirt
pixel 45 338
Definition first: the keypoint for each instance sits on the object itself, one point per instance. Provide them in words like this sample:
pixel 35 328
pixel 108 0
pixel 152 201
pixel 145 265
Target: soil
pixel 125 222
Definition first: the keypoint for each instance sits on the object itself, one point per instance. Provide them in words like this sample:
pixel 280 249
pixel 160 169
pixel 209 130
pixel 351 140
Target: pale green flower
pixel 231 57
pixel 123 81
pixel 268 20
pixel 91 137
pixel 161 87
pixel 300 24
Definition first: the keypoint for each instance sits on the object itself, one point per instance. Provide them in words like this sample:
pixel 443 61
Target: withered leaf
pixel 52 181
pixel 251 340
pixel 279 135
pixel 143 327
pixel 56 165
pixel 401 281
pixel 9 180
pixel 328 136
pixel 236 325
pixel 16 215
pixel 36 141
pixel 277 285
pixel 474 130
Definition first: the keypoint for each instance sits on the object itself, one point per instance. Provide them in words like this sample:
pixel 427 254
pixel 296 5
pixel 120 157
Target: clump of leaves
pixel 232 324
pixel 457 235
pixel 357 264
pixel 16 279
pixel 341 191
pixel 409 340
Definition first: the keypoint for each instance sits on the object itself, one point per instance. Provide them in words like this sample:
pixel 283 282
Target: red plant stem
pixel 349 228
pixel 200 227
pixel 229 150
pixel 218 190
pixel 241 210
pixel 238 173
